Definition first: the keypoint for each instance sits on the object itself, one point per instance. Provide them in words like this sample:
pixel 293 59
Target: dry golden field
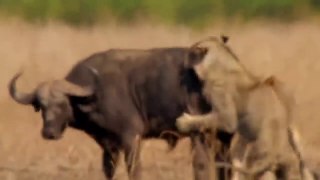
pixel 290 51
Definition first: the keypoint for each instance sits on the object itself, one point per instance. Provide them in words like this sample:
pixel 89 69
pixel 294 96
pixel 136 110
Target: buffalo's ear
pixel 83 100
pixel 224 38
pixel 36 105
pixel 196 55
pixel 85 104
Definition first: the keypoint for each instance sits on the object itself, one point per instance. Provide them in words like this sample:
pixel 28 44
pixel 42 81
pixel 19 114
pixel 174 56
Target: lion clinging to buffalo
pixel 257 110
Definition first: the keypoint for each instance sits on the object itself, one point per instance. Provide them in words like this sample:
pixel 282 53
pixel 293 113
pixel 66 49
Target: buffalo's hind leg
pixel 110 160
pixel 132 157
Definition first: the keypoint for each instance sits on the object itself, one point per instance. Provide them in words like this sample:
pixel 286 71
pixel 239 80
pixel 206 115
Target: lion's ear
pixel 224 38
pixel 196 54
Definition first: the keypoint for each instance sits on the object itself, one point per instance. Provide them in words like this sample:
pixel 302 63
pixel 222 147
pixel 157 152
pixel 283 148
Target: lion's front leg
pixel 187 123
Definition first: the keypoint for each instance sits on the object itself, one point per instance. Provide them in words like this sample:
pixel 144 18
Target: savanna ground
pixel 290 51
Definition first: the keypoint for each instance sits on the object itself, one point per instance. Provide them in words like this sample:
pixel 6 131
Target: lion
pixel 257 110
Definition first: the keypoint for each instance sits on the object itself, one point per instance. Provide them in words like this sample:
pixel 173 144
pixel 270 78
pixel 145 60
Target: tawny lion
pixel 257 110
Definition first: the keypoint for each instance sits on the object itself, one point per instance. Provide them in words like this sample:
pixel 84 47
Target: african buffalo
pixel 119 96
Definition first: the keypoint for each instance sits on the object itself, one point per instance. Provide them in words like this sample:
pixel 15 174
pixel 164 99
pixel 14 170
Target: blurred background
pixel 179 12
pixel 46 38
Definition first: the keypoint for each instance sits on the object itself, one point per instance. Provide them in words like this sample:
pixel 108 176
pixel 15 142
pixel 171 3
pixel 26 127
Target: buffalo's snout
pixel 51 134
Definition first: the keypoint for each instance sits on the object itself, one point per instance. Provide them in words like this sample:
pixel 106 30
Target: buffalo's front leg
pixel 110 160
pixel 132 157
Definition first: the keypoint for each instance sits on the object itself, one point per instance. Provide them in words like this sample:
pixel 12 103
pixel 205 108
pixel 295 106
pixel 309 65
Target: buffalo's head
pixel 52 99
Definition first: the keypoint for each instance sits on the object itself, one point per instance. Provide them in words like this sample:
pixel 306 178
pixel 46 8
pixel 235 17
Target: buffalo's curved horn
pixel 93 70
pixel 95 74
pixel 22 98
pixel 72 89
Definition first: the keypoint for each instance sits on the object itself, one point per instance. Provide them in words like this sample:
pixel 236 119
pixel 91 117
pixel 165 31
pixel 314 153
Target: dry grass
pixel 289 51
